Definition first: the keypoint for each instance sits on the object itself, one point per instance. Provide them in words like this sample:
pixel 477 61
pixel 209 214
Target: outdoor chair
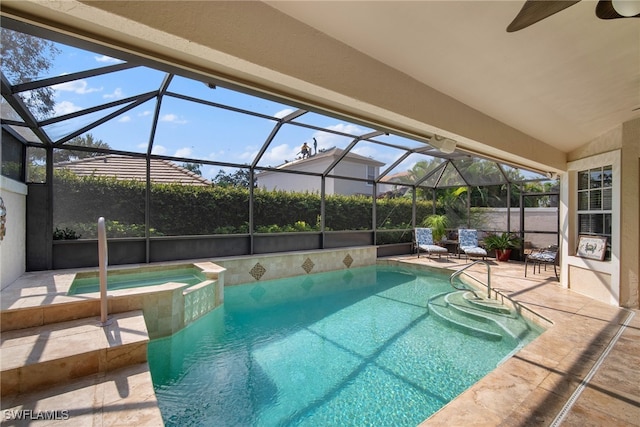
pixel 468 243
pixel 424 241
pixel 544 256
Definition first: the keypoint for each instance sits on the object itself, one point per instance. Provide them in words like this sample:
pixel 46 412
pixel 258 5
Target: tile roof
pixel 128 168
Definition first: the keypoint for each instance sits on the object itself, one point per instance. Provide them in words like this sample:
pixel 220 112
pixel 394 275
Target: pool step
pixel 490 305
pixel 39 315
pixel 475 325
pixel 56 353
pixel 505 317
pixel 485 318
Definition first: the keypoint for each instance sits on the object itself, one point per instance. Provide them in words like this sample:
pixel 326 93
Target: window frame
pixel 596 187
pixel 370 177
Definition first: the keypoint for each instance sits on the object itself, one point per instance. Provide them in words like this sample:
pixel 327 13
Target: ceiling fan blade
pixel 605 10
pixel 536 10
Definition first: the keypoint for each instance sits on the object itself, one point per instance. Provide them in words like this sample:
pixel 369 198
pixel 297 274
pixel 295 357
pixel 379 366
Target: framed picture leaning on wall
pixel 592 247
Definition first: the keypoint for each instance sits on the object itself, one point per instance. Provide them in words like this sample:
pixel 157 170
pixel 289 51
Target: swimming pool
pixel 350 347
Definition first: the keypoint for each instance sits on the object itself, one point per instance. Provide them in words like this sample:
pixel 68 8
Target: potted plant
pixel 438 225
pixel 502 244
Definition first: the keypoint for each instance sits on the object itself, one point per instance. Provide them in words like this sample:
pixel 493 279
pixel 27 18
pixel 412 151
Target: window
pixel 595 187
pixel 371 174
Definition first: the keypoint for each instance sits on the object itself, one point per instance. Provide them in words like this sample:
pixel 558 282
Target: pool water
pixel 355 347
pixel 126 280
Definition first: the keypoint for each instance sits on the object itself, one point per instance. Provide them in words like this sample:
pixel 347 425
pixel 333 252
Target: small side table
pixel 452 246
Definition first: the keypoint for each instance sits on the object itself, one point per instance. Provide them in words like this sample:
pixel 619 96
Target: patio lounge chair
pixel 424 241
pixel 544 256
pixel 468 243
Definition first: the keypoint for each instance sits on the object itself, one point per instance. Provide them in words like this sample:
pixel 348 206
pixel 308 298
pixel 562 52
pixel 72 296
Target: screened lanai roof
pixel 140 108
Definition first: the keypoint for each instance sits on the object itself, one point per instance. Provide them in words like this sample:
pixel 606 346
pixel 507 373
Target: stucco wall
pixel 12 247
pixel 536 219
pixel 629 215
pixel 271 180
pixel 594 284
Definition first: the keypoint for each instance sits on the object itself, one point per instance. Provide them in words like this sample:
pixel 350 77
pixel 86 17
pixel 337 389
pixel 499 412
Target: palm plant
pixel 502 244
pixel 502 241
pixel 438 225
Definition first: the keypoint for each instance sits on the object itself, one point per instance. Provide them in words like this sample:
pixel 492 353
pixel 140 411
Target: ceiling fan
pixel 536 10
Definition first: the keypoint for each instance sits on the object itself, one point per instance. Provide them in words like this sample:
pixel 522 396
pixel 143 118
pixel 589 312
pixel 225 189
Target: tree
pixel 240 178
pixel 193 167
pixel 80 141
pixel 417 173
pixel 24 59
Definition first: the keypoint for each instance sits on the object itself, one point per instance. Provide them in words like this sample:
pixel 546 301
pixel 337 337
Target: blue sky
pixel 192 130
pixel 187 129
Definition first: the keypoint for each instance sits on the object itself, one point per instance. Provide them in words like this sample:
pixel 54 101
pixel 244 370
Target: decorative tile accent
pixel 257 271
pixel 308 265
pixel 347 261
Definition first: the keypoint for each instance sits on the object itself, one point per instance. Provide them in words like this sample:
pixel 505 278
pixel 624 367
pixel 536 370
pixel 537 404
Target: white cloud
pixel 283 113
pixel 157 149
pixel 65 107
pixel 81 87
pixel 347 128
pixel 327 140
pixel 247 155
pixel 183 152
pixel 218 155
pixel 168 118
pixel 117 94
pixel 277 155
pixel 145 113
pixel 366 151
pixel 373 151
pixel 125 119
pixel 210 171
pixel 108 59
pixel 273 157
pixel 172 118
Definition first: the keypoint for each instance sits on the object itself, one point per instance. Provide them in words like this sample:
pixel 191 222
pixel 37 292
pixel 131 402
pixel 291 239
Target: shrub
pixel 198 210
pixel 65 234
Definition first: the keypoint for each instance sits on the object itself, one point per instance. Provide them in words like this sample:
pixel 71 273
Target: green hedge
pixel 191 210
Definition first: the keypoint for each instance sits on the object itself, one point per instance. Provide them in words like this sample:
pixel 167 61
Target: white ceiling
pixel 565 80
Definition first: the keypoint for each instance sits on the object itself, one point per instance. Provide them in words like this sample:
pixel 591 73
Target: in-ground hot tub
pixel 87 282
pixel 170 295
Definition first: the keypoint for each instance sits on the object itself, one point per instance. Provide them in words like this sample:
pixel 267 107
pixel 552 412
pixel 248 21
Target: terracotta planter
pixel 503 254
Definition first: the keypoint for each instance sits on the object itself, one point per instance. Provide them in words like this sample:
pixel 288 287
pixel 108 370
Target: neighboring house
pixel 352 166
pixel 388 185
pixel 128 168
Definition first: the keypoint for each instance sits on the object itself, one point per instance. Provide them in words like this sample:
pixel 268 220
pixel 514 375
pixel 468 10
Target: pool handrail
pixel 459 272
pixel 103 261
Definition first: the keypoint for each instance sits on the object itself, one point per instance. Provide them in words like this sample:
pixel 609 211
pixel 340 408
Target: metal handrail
pixel 459 272
pixel 103 261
